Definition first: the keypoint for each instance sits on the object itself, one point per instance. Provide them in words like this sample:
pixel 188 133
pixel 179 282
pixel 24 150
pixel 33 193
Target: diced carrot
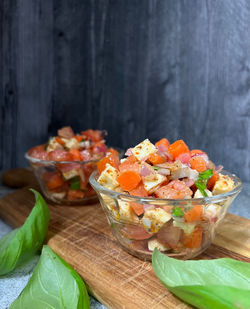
pixel 139 191
pixel 197 163
pixel 75 194
pixel 212 180
pixel 53 180
pixel 79 138
pixel 164 142
pixel 178 148
pixel 76 154
pixel 155 158
pixel 129 180
pixel 60 141
pixel 193 240
pixel 137 208
pixel 111 159
pixel 196 152
pixel 194 214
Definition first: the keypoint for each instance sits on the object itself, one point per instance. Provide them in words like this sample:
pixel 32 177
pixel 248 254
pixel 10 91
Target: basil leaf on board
pixel 54 284
pixel 21 244
pixel 220 283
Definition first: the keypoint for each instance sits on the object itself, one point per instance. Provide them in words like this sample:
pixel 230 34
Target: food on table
pixel 74 158
pixel 163 171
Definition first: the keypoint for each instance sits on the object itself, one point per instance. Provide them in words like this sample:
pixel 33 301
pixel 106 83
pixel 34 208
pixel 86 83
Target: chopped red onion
pixel 146 170
pixel 129 152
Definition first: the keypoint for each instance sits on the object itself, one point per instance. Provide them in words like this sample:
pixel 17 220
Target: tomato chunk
pixel 198 163
pixel 76 154
pixel 194 214
pixel 53 180
pixel 59 155
pixel 111 159
pixel 137 208
pixel 155 158
pixel 139 191
pixel 162 144
pixel 193 241
pixel 212 180
pixel 94 135
pixel 75 194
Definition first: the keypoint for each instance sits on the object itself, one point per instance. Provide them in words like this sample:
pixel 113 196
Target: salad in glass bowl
pixel 164 196
pixel 63 165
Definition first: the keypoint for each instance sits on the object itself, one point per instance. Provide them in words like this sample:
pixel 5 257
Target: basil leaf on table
pixel 23 243
pixel 221 283
pixel 54 284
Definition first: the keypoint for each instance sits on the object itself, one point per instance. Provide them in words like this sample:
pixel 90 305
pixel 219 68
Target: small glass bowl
pixel 137 235
pixel 55 179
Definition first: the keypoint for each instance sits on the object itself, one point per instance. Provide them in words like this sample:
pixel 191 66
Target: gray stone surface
pixel 12 284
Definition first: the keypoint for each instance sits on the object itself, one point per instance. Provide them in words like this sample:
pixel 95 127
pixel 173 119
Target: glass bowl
pixel 66 182
pixel 157 227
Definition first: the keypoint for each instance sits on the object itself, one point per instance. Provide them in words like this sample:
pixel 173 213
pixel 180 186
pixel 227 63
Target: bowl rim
pixel 204 200
pixel 44 162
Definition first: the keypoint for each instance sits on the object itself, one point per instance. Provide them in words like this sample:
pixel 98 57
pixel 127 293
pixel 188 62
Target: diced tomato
pixel 76 154
pixel 184 158
pixel 194 214
pixel 66 132
pixel 162 143
pixel 177 148
pixel 53 180
pixel 85 154
pixel 198 163
pixel 193 241
pixel 130 164
pixel 89 191
pixel 79 138
pixel 135 232
pixel 111 159
pixel 75 194
pixel 38 152
pixel 59 155
pixel 137 208
pixel 155 158
pixel 175 189
pixel 212 180
pixel 88 168
pixel 196 152
pixel 94 135
pixel 66 167
pixel 129 180
pixel 139 191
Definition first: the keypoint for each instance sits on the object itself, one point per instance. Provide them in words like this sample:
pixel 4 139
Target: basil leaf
pixel 156 168
pixel 23 243
pixel 75 184
pixel 54 284
pixel 177 212
pixel 221 283
pixel 201 182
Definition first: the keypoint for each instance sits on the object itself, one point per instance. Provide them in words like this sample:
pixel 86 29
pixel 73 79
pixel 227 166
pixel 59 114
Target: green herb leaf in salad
pixel 221 283
pixel 54 284
pixel 75 184
pixel 156 168
pixel 177 212
pixel 21 244
pixel 201 182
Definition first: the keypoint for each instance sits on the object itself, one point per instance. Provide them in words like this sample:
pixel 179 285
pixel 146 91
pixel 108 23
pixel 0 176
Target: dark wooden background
pixel 138 68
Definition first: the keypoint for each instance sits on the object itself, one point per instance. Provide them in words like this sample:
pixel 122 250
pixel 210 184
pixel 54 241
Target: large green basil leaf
pixel 54 284
pixel 220 283
pixel 23 243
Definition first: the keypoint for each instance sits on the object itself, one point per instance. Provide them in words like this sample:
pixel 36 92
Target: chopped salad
pixel 75 157
pixel 164 171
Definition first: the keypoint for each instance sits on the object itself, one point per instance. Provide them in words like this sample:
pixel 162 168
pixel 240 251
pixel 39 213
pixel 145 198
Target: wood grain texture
pixel 136 68
pixel 81 236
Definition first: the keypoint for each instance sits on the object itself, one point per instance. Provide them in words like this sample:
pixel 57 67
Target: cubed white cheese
pixel 223 184
pixel 152 184
pixel 71 143
pixel 71 174
pixel 58 195
pixel 157 216
pixel 126 212
pixel 198 193
pixel 143 150
pixel 53 145
pixel 154 243
pixel 108 177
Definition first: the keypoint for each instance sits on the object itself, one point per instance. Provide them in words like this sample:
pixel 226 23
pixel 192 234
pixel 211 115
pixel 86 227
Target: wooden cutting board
pixel 82 237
